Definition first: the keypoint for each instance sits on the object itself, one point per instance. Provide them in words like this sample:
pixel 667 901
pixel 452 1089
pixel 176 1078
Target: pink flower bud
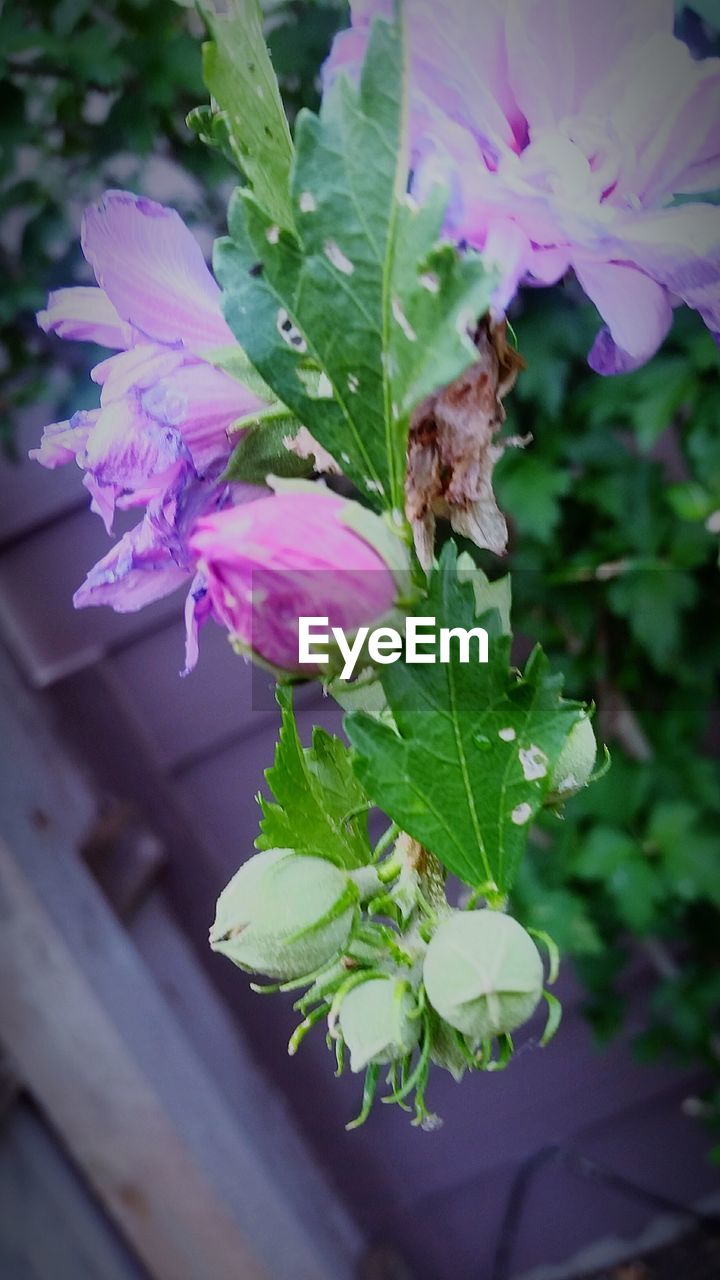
pixel 267 563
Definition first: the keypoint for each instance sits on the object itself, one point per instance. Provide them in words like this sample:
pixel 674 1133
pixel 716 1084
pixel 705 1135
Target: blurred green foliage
pixel 614 560
pixel 94 95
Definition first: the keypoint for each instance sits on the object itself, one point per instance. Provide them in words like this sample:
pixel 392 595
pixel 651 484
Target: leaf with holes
pixel 238 72
pixel 320 806
pixel 475 746
pixel 361 292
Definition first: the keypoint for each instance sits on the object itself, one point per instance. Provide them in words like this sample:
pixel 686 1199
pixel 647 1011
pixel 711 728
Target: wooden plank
pixel 31 495
pixel 298 1227
pixel 38 576
pixel 223 700
pixel 51 1227
pixel 111 1120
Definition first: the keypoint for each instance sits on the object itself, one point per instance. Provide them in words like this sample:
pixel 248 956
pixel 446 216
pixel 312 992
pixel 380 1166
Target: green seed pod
pixel 377 1022
pixel 575 762
pixel 283 915
pixel 483 973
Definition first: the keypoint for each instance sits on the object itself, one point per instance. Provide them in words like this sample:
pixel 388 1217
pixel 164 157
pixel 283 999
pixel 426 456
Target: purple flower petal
pixel 507 248
pixel 680 248
pixel 198 609
pixel 127 452
pixel 568 148
pixel 202 403
pixel 139 367
pixel 64 442
pixel 137 571
pixel 85 314
pixel 561 51
pixel 636 309
pixel 103 499
pixel 153 270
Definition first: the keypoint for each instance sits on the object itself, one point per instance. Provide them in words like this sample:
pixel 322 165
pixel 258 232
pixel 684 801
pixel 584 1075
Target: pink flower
pixel 564 129
pixel 164 408
pixel 265 564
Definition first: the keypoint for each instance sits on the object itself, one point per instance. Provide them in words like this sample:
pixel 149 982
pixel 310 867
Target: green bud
pixel 377 1022
pixel 283 915
pixel 483 973
pixel 575 762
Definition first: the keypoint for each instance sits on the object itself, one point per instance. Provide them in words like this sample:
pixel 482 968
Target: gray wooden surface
pixel 200 1178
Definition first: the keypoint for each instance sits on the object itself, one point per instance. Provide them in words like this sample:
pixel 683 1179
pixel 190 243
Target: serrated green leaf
pixel 239 74
pixel 362 292
pixel 320 807
pixel 261 451
pixel 475 745
pixel 213 129
pixel 489 595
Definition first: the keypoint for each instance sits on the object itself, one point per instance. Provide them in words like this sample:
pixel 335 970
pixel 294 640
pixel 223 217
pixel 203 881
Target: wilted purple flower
pixel 155 558
pixel 564 131
pixel 265 564
pixel 164 408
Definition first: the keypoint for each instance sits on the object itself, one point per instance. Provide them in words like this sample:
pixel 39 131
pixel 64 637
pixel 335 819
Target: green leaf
pixel 689 853
pixel 602 851
pixel 653 602
pixel 690 500
pixel 261 451
pixel 362 292
pixel 232 360
pixel 475 745
pixel 638 892
pixel 320 807
pixel 238 73
pixel 559 912
pixel 489 595
pixel 649 399
pixel 529 488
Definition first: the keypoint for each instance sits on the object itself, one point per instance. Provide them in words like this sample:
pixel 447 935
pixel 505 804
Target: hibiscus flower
pixel 572 136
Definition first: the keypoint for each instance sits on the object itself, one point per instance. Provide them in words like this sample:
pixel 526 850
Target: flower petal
pixel 271 561
pixel 202 403
pixel 667 107
pixel 153 270
pixel 85 314
pixel 636 309
pixel 138 570
pixel 139 367
pixel 63 442
pixel 507 247
pixel 680 248
pixel 561 51
pixel 458 61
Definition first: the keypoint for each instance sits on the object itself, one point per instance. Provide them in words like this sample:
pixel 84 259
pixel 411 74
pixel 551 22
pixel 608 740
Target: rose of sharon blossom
pixel 564 130
pixel 164 410
pixel 264 565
